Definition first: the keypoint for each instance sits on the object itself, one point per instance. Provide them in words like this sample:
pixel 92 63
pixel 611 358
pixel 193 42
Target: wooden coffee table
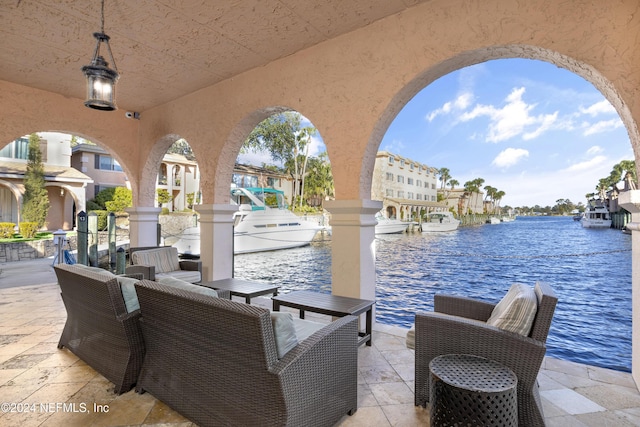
pixel 331 305
pixel 242 288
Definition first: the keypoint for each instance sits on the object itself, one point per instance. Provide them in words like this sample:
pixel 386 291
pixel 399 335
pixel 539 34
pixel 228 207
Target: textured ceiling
pixel 164 49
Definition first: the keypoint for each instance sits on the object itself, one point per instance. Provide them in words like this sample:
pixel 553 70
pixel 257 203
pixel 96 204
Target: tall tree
pixel 284 137
pixel 445 175
pixel 35 202
pixel 319 180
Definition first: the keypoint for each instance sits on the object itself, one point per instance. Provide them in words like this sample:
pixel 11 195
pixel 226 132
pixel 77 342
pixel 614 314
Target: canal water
pixel 589 269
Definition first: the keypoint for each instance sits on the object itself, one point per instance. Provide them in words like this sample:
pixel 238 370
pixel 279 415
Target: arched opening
pixel 514 116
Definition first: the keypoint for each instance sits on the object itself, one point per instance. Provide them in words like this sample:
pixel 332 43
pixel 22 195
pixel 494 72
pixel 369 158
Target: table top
pixel 332 305
pixel 473 373
pixel 240 286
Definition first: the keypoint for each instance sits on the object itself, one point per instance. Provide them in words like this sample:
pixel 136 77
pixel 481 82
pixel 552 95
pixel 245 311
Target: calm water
pixel 590 270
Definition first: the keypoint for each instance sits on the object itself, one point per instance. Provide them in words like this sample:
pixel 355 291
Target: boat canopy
pixel 259 198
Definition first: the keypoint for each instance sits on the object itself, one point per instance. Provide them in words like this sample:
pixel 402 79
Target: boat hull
pixel 391 227
pixel 439 227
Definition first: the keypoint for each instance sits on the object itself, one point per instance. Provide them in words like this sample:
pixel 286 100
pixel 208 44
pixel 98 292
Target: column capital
pixel 353 212
pixel 219 213
pixel 143 213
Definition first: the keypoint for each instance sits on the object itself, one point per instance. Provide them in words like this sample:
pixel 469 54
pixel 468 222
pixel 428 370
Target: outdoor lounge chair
pixel 217 362
pixel 99 330
pixel 458 325
pixel 161 261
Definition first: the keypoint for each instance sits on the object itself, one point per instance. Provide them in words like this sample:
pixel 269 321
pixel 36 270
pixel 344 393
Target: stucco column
pixel 143 226
pixel 216 240
pixel 353 257
pixel 630 200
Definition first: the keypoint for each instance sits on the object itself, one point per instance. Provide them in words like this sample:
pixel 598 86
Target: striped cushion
pixel 164 259
pixel 516 311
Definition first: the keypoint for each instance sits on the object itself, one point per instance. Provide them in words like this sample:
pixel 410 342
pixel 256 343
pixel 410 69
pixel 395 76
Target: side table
pixel 468 390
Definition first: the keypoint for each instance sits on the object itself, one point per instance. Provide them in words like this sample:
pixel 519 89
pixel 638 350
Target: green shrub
pixel 93 206
pixel 28 230
pixel 121 199
pixel 165 211
pixel 6 230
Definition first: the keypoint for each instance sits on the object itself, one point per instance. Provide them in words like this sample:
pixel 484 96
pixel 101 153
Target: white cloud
pixel 396 146
pixel 602 107
pixel 510 157
pixel 461 102
pixel 594 150
pixel 601 126
pixel 512 119
pixel 587 165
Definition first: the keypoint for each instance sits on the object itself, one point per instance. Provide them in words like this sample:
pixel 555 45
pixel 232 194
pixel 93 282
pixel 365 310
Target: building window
pixel 410 181
pixel 18 149
pixel 389 192
pixel 433 186
pixel 244 181
pixel 391 159
pixel 409 195
pixel 411 166
pixel 107 163
pixel 401 194
pixel 401 179
pixel 389 176
pixel 419 183
pixel 401 163
pixel 418 196
pixel 433 198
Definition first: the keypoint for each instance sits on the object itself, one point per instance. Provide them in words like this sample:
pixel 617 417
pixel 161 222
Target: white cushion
pixel 410 341
pixel 516 311
pixel 164 259
pixel 288 332
pixel 190 276
pixel 181 284
pixel 284 332
pixel 128 289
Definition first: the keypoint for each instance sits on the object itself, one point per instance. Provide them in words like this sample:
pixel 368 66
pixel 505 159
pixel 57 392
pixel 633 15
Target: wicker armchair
pixel 215 362
pixel 163 261
pixel 98 328
pixel 457 325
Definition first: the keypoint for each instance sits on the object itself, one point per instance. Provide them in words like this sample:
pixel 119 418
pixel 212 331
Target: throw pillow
pixel 284 332
pixel 516 311
pixel 181 284
pixel 128 289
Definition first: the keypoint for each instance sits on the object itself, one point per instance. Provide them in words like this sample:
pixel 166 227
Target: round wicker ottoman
pixel 472 391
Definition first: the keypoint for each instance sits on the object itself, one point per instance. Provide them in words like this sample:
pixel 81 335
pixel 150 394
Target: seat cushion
pixel 164 259
pixel 191 276
pixel 516 311
pixel 288 332
pixel 181 284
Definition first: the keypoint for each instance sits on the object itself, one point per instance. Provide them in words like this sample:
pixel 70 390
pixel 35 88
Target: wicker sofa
pixel 458 325
pixel 99 330
pixel 163 261
pixel 215 361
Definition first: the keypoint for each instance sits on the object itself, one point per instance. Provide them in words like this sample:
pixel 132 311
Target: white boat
pixel 389 226
pixel 596 216
pixel 263 223
pixel 493 220
pixel 439 221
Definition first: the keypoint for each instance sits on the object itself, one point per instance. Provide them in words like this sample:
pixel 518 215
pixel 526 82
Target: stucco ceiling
pixel 164 49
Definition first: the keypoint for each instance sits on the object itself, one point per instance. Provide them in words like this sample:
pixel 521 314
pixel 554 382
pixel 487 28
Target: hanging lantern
pixel 101 80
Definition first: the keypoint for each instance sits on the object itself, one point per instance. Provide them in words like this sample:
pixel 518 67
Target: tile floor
pixel 66 392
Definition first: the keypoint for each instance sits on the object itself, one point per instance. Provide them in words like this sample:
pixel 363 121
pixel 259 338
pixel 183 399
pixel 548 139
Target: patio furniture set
pixel 223 362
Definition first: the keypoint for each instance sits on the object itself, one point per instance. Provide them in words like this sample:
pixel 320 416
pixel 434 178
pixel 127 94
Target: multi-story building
pixel 65 184
pixel 407 189
pixel 178 175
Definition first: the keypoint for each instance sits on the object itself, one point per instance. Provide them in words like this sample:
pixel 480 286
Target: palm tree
pixel 497 196
pixel 444 176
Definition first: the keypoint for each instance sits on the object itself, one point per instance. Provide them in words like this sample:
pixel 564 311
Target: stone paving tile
pixel 32 367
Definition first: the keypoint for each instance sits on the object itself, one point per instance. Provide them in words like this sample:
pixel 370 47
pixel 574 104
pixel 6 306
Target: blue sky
pixel 535 131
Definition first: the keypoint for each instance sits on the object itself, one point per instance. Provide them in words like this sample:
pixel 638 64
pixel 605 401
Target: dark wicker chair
pixel 215 362
pixel 457 325
pixel 98 328
pixel 149 271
